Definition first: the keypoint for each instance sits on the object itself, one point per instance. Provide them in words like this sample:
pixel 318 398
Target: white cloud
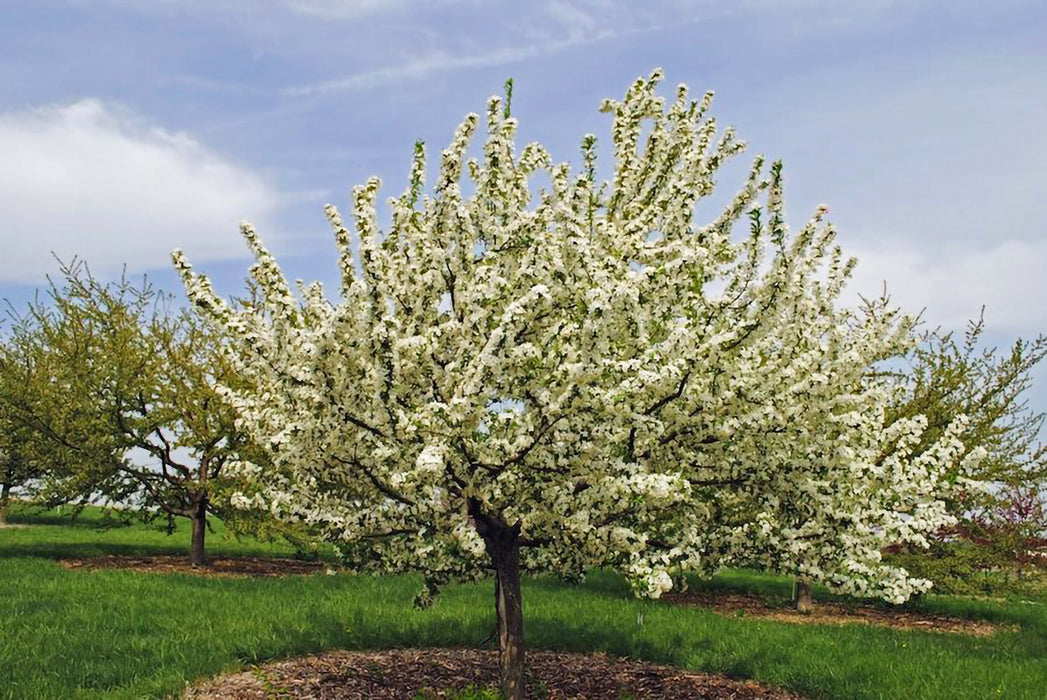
pixel 95 181
pixel 1008 278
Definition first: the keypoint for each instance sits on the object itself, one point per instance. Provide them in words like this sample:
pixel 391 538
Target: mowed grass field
pixel 120 634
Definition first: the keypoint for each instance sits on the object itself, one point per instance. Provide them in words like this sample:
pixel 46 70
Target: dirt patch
pixel 12 526
pixel 168 564
pixel 739 604
pixel 404 673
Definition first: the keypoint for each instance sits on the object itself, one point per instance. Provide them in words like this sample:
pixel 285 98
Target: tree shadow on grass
pixel 603 584
pixel 51 518
pixel 85 550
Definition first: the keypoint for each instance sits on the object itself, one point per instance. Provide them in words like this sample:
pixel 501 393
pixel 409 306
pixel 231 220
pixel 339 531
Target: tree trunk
pixel 199 519
pixel 803 596
pixel 503 547
pixel 509 604
pixel 5 499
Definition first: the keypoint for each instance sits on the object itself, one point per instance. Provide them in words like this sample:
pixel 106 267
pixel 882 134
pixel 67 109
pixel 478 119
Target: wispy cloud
pixel 328 9
pixel 349 9
pixel 202 84
pixel 439 61
pixel 570 15
pixel 419 68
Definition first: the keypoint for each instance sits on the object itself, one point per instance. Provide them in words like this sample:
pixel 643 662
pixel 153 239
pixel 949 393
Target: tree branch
pixel 385 489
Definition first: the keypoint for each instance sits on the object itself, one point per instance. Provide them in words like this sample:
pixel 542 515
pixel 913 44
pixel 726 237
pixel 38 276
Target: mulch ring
pixel 437 673
pixel 169 564
pixel 826 613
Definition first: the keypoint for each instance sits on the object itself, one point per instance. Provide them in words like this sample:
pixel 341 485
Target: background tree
pixel 948 376
pixel 525 381
pixel 127 409
pixel 998 524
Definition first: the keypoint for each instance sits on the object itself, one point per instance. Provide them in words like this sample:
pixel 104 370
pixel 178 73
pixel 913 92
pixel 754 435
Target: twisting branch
pixel 385 489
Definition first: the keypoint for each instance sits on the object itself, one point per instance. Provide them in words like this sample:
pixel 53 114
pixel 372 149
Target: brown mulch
pixel 168 564
pixel 403 673
pixel 826 613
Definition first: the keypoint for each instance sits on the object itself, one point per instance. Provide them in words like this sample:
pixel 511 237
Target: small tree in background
pixel 999 524
pixel 127 408
pixel 950 376
pixel 540 382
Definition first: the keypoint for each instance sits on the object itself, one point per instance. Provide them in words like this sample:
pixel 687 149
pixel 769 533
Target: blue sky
pixel 130 127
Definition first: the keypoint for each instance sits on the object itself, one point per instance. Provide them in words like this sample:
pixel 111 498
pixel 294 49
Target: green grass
pixel 94 532
pixel 118 634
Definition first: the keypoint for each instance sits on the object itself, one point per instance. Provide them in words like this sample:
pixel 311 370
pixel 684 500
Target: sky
pixel 131 127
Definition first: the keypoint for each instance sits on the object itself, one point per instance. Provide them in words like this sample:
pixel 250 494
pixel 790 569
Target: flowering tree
pixel 528 381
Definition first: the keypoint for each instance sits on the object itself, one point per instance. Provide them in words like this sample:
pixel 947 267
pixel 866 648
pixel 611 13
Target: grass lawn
pixel 119 634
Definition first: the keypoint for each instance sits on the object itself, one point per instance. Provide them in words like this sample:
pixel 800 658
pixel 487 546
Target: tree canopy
pixel 557 378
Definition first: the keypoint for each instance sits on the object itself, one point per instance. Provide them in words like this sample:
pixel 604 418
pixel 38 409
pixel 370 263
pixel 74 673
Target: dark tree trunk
pixel 199 519
pixel 503 547
pixel 803 596
pixel 509 604
pixel 5 499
